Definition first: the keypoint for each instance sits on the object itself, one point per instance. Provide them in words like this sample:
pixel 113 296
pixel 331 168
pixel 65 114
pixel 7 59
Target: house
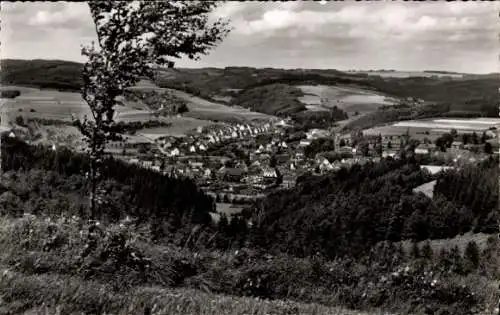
pixel 457 145
pixel 422 149
pixel 269 173
pixel 433 169
pixel 233 174
pixel 207 173
pixel 174 152
pixel 289 181
pixel 192 149
pixel 304 143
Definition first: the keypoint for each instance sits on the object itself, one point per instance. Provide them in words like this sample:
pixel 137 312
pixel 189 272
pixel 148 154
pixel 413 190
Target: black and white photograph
pixel 249 157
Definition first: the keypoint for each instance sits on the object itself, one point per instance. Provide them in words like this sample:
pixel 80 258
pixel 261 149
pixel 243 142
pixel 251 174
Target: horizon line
pixel 451 72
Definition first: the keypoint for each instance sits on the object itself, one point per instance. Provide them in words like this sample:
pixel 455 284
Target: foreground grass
pixel 43 271
pixel 59 294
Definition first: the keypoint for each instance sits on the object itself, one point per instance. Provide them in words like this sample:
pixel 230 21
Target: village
pixel 239 163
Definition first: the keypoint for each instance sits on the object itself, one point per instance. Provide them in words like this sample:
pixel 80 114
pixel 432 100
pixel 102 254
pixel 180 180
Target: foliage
pixel 55 183
pixel 306 120
pixel 473 188
pixel 274 99
pixel 319 145
pixel 9 93
pixel 345 213
pixel 36 249
pixel 127 50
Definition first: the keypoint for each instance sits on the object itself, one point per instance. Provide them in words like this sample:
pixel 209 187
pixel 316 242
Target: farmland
pixel 57 105
pixel 408 74
pixel 208 110
pixel 54 105
pixel 435 127
pixel 349 99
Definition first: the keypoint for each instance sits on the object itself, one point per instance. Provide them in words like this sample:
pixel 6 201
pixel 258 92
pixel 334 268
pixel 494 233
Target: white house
pixel 192 149
pixel 268 172
pixel 304 143
pixel 202 147
pixel 175 152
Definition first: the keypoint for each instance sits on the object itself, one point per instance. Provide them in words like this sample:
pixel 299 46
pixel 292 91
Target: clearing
pixel 349 99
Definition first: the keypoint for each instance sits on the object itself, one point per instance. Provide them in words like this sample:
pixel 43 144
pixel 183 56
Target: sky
pixel 411 36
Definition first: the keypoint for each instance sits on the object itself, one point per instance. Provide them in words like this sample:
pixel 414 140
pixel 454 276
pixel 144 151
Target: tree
pixel 20 121
pixel 182 109
pixel 465 138
pixel 273 161
pixel 427 252
pixel 474 138
pixel 453 133
pixel 129 49
pixel 472 255
pixel 488 149
pixel 342 143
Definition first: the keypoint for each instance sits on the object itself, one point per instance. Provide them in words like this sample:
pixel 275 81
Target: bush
pixel 10 93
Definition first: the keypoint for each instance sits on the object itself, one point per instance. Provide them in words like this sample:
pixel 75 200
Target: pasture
pixel 433 128
pixel 349 99
pixel 180 126
pixel 207 110
pixel 51 104
pixel 408 74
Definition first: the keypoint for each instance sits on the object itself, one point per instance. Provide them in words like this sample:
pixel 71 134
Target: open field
pixel 435 127
pixel 408 74
pixel 51 104
pixel 180 126
pixel 349 99
pixel 228 208
pixel 207 110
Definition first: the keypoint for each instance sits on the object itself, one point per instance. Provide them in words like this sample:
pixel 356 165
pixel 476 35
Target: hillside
pixel 275 91
pixel 330 241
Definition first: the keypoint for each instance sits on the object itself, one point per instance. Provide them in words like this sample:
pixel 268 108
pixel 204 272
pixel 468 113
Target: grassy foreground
pixel 57 294
pixel 53 267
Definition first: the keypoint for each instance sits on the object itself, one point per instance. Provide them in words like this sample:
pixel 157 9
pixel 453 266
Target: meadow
pixel 207 110
pixel 435 127
pixel 349 99
pixel 409 74
pixel 57 105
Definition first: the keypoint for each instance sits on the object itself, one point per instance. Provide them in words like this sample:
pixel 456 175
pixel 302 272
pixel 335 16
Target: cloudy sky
pixel 453 36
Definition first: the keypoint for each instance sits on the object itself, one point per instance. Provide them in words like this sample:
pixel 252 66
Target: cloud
pixel 405 35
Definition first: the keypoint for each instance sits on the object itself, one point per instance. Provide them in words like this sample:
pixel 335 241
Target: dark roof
pixel 234 171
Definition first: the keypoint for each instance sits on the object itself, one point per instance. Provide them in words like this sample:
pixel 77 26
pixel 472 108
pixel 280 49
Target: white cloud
pixel 378 34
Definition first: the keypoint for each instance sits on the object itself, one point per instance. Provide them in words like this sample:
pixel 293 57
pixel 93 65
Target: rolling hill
pixel 274 91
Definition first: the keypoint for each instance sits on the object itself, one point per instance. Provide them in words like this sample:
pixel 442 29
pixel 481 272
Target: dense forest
pixel 347 212
pixel 129 190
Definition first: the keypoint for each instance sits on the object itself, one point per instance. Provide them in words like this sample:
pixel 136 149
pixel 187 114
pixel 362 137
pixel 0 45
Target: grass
pixel 352 99
pixel 57 105
pixel 42 270
pixel 59 294
pixel 39 275
pixel 207 110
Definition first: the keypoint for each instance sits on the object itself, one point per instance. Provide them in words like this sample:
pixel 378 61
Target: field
pixel 349 99
pixel 207 110
pixel 50 104
pixel 435 127
pixel 180 126
pixel 408 74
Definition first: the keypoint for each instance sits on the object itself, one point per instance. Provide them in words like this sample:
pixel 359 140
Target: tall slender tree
pixel 133 38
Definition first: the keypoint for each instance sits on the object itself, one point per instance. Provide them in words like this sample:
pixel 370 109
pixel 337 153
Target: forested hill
pixel 346 213
pixel 57 183
pixel 44 74
pixel 235 85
